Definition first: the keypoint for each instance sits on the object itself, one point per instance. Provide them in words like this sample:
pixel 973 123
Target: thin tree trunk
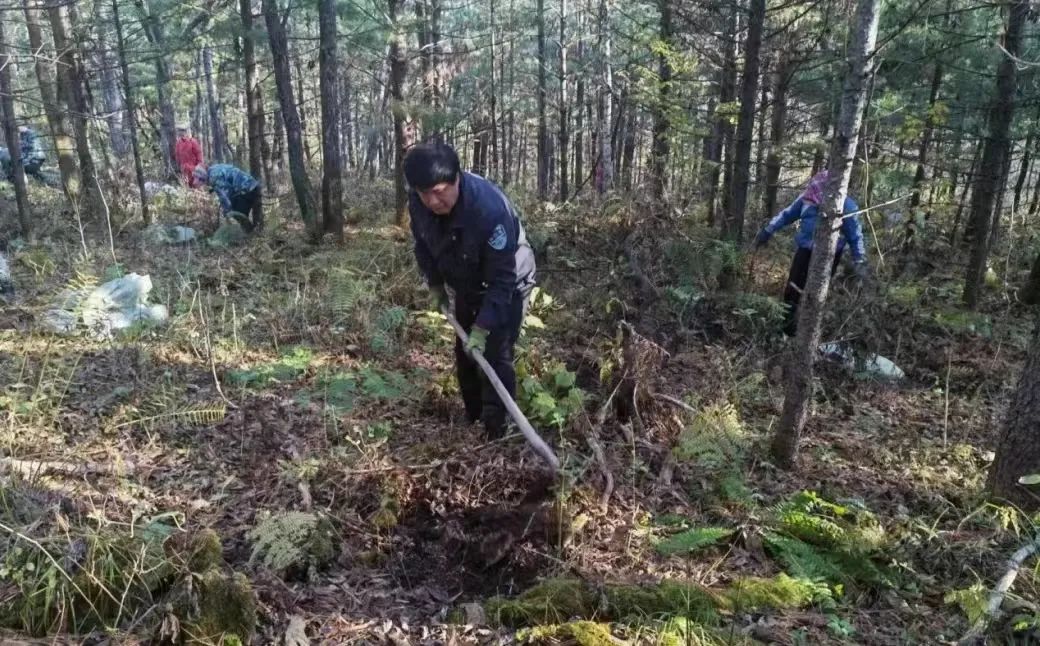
pixel 10 128
pixel 332 169
pixel 606 152
pixel 57 120
pixel 153 31
pixel 128 92
pixel 968 181
pixel 733 228
pixel 564 133
pixel 661 147
pixel 543 135
pixel 254 100
pixel 777 131
pixel 799 372
pixel 496 153
pixel 727 93
pixel 1024 166
pixel 216 127
pixel 283 79
pixel 921 174
pixel 114 108
pixel 402 131
pixel 348 119
pixel 994 154
pixel 628 151
pixel 579 105
pixel 68 58
pixel 712 159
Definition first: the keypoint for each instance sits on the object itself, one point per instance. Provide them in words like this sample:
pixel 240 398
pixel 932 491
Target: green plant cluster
pixel 547 393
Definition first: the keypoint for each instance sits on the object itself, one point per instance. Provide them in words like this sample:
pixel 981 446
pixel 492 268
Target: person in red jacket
pixel 188 154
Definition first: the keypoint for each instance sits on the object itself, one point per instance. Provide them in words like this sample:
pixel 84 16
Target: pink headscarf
pixel 814 191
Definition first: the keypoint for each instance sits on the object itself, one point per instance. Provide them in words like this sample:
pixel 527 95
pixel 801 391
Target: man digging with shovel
pixel 468 237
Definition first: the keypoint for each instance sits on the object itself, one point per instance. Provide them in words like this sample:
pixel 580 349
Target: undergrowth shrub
pixel 547 391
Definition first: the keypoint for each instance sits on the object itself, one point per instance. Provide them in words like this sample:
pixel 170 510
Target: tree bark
pixel 154 33
pixel 332 167
pixel 543 134
pixel 10 128
pixel 777 131
pixel 606 151
pixel 1018 452
pixel 921 174
pixel 733 227
pixel 291 118
pixel 799 370
pixel 661 148
pixel 628 150
pixel 114 107
pixel 57 119
pixel 69 59
pixel 254 97
pixel 994 154
pixel 579 105
pixel 564 134
pixel 402 129
pixel 213 101
pixel 128 92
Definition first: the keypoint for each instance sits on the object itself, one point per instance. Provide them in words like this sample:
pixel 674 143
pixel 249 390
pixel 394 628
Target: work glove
pixel 438 298
pixel 762 239
pixel 862 270
pixel 477 340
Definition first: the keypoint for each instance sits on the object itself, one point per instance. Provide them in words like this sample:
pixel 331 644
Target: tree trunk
pixel 69 59
pixel 543 134
pixel 128 91
pixel 347 132
pixel 114 108
pixel 733 227
pixel 1023 170
pixel 921 174
pixel 799 370
pixel 10 128
pixel 628 150
pixel 968 181
pixel 1018 452
pixel 606 151
pixel 565 136
pixel 495 151
pixel 402 129
pixel 216 127
pixel 777 130
pixel 994 154
pixel 332 168
pixel 153 31
pixel 712 167
pixel 254 97
pixel 57 119
pixel 661 148
pixel 727 93
pixel 283 79
pixel 579 105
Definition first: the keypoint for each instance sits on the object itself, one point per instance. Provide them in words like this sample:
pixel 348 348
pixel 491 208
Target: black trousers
pixel 248 204
pixel 479 397
pixel 796 285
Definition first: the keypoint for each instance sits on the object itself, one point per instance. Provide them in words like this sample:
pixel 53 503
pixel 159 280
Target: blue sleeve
pixel 852 230
pixel 785 217
pixel 222 197
pixel 499 261
pixel 423 256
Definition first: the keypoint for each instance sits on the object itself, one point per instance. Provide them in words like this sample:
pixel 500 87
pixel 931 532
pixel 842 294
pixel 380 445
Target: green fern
pixel 348 293
pixel 292 540
pixel 801 559
pixel 386 328
pixel 714 439
pixel 692 540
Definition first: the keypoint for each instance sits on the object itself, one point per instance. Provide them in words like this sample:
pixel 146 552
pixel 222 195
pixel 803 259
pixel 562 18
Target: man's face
pixel 441 198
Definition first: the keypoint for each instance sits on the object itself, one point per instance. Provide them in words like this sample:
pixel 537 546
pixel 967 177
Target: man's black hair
pixel 427 165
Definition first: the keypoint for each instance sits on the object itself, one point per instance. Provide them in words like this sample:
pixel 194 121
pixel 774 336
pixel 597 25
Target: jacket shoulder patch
pixel 498 238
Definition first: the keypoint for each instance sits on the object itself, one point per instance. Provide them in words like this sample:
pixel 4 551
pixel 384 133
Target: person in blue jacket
pixel 805 210
pixel 237 191
pixel 468 237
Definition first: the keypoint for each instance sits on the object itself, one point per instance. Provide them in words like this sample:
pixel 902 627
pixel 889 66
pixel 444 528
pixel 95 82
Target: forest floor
pixel 301 404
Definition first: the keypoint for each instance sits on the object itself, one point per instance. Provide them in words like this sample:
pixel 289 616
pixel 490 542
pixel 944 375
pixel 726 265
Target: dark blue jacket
pixel 807 213
pixel 480 249
pixel 227 181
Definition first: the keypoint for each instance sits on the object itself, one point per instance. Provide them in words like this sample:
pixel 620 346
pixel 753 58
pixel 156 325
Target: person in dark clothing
pixel 469 238
pixel 805 210
pixel 31 152
pixel 237 191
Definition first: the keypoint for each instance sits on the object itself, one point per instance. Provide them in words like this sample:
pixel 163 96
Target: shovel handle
pixel 535 440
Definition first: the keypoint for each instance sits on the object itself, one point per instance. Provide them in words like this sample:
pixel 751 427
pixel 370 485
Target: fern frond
pixel 693 540
pixel 193 416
